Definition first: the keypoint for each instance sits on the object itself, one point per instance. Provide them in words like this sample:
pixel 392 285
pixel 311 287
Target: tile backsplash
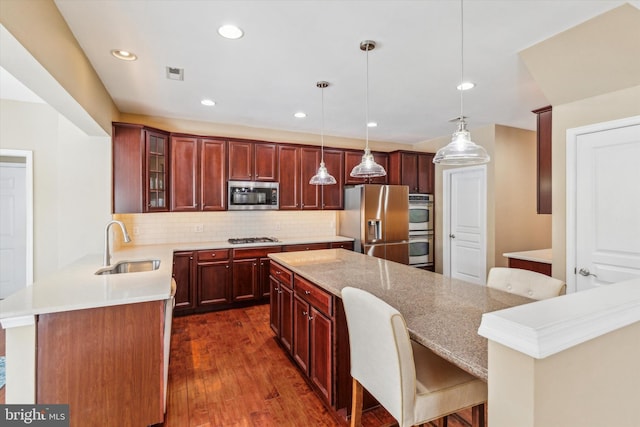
pixel 179 227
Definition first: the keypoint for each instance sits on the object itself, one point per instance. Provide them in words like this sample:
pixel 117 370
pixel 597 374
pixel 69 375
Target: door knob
pixel 453 236
pixel 585 272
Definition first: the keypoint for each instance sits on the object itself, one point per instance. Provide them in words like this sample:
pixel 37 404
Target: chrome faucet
pixel 127 239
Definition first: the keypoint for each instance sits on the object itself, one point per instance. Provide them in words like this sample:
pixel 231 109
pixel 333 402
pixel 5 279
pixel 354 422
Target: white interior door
pixel 465 224
pixel 13 228
pixel 607 204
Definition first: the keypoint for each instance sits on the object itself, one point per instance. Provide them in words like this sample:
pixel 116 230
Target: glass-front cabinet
pixel 157 145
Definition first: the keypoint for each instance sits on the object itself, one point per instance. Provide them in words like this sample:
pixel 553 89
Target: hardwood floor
pixel 227 370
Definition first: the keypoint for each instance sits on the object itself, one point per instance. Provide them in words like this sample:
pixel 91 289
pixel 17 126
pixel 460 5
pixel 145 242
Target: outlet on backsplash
pixel 198 228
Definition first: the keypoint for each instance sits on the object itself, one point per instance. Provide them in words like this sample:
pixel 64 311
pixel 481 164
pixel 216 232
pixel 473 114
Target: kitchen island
pixel 441 313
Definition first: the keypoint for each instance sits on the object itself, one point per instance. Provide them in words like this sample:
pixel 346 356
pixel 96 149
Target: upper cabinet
pixel 353 158
pixel 140 169
pixel 297 164
pixel 413 169
pixel 252 161
pixel 198 174
pixel 544 159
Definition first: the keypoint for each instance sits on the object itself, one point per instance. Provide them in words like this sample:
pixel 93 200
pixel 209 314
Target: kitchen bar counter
pixel 544 256
pixel 76 287
pixel 442 314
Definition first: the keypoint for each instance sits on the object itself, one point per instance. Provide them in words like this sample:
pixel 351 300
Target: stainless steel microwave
pixel 249 195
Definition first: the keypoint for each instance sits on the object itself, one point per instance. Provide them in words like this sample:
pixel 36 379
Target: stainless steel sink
pixel 130 267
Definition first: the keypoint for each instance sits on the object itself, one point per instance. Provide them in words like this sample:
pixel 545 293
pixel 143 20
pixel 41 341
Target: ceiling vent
pixel 174 73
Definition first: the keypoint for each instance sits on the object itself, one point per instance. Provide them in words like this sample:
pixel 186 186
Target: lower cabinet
pixel 303 321
pixel 219 279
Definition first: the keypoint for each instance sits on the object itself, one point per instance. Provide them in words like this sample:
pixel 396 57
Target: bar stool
pixel 410 381
pixel 525 283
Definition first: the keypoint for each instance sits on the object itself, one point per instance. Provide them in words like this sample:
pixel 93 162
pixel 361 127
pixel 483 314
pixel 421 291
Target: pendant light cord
pixel 322 129
pixel 367 102
pixel 461 58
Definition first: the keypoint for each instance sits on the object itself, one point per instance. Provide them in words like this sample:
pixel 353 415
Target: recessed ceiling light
pixel 208 102
pixel 125 55
pixel 466 86
pixel 300 115
pixel 372 124
pixel 230 32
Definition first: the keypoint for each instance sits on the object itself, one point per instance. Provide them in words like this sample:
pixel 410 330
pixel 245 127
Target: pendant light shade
pixel 368 168
pixel 322 177
pixel 461 150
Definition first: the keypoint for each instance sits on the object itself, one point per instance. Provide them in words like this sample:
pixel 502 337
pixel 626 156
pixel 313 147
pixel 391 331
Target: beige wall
pixel 603 108
pixel 593 384
pixel 70 178
pixel 41 30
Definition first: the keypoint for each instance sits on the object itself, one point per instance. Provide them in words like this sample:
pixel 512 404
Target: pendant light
pixel 461 150
pixel 368 168
pixel 322 177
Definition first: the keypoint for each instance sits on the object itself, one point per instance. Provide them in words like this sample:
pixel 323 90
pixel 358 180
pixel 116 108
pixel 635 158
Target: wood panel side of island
pixel 106 363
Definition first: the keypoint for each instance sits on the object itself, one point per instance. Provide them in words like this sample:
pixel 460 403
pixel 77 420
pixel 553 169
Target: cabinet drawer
pixel 213 255
pixel 342 245
pixel 317 297
pixel 255 252
pixel 305 247
pixel 280 274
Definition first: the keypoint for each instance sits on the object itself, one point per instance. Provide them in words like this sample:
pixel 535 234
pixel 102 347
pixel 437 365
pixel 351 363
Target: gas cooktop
pixel 252 240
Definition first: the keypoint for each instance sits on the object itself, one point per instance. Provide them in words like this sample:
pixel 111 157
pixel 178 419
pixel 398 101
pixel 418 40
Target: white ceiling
pixel 263 78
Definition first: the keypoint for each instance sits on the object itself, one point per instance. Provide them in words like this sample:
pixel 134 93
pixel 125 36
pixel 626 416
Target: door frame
pixel 27 157
pixel 572 187
pixel 446 215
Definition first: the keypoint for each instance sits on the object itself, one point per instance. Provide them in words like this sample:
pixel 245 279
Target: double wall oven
pixel 421 230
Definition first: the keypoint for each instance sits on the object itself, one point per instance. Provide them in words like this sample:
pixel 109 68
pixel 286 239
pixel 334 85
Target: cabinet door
pixel 157 149
pixel 245 279
pixel 128 180
pixel 309 162
pixel 184 174
pixel 409 168
pixel 383 160
pixel 320 366
pixel 274 306
pixel 263 277
pixel 289 171
pixel 213 185
pixel 544 119
pixel 183 274
pixel 213 283
pixel 426 173
pixel 301 317
pixel 266 162
pixel 333 195
pixel 240 160
pixel 286 319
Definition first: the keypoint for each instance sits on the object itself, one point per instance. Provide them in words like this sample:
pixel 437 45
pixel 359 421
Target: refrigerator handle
pixel 374 229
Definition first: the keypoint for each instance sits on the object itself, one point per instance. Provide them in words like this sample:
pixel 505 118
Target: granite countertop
pixel 544 256
pixel 76 287
pixel 442 314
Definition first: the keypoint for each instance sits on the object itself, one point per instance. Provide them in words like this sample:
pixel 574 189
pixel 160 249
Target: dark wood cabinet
pixel 301 344
pixel 413 169
pixel 281 320
pixel 252 161
pixel 198 174
pixel 353 158
pixel 543 139
pixel 306 247
pixel 332 196
pixel 538 267
pixel 250 277
pixel 213 278
pixel 184 273
pixel 297 165
pixel 289 172
pixel 342 245
pixel 140 158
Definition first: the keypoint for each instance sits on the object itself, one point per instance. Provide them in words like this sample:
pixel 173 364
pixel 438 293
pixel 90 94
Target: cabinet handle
pixel 307 292
pixel 262 263
pixel 276 289
pixel 304 313
pixel 213 254
pixel 277 272
pixel 226 266
pixel 254 264
pixel 310 317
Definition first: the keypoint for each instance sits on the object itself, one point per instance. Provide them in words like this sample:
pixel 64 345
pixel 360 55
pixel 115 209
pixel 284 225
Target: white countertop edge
pixel 16 322
pixel 544 256
pixel 547 327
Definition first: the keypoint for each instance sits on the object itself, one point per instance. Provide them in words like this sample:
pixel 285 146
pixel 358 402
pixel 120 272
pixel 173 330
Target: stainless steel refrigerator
pixel 377 217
